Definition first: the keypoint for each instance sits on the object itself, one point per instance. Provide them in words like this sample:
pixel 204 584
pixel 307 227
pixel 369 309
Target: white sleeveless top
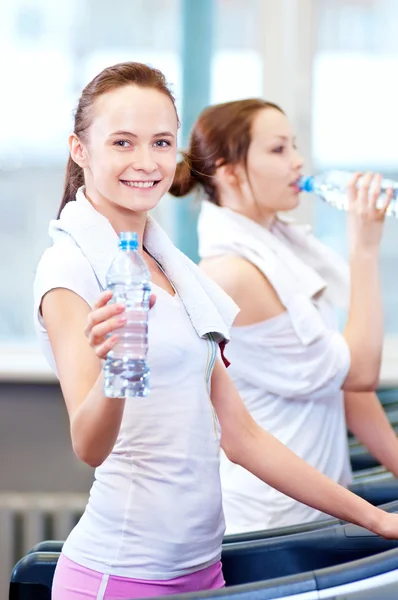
pixel 289 369
pixel 294 393
pixel 155 508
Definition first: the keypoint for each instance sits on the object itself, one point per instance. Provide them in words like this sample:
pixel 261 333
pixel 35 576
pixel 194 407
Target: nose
pixel 143 160
pixel 298 161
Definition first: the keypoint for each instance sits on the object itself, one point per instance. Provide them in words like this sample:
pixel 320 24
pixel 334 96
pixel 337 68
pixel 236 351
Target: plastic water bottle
pixel 331 187
pixel 126 371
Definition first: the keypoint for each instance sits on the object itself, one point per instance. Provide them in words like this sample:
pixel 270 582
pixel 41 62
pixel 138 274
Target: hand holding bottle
pixel 366 211
pixel 104 321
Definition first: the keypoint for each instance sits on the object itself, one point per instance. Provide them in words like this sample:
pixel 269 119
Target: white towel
pixel 209 308
pixel 293 260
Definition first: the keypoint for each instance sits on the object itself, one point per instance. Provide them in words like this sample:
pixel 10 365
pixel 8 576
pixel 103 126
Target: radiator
pixel 26 519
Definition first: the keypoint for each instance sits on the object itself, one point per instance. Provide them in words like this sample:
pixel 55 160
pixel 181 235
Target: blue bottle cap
pixel 128 240
pixel 306 184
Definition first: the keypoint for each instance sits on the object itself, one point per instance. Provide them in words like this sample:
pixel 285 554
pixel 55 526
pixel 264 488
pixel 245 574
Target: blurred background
pixel 330 64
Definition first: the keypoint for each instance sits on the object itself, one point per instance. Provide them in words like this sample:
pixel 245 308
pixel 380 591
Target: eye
pixel 278 150
pixel 122 143
pixel 162 143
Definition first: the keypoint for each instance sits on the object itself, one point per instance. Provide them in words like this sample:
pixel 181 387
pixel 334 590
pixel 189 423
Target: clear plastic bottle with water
pixel 331 187
pixel 126 371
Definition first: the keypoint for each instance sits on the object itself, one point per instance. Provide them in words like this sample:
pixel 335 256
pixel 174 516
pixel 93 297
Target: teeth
pixel 139 184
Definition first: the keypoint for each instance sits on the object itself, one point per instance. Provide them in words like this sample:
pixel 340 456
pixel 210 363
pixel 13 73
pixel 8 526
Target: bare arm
pixel 365 226
pixel 248 445
pixel 365 308
pixel 94 419
pixel 367 420
pixel 258 301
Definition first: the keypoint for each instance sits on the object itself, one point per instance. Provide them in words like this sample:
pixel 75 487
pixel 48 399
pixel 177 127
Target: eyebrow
pixel 285 138
pixel 129 133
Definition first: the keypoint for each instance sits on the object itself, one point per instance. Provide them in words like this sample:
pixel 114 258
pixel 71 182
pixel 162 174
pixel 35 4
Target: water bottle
pixel 126 371
pixel 331 187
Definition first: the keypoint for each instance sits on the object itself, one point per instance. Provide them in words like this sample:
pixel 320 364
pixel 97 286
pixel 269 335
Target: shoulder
pixel 246 285
pixel 229 272
pixel 64 265
pixel 62 255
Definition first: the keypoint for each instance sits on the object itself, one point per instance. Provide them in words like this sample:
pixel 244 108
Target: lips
pixel 295 185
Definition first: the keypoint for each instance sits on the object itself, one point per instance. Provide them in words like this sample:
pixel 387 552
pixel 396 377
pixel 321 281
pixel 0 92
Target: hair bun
pixel 184 179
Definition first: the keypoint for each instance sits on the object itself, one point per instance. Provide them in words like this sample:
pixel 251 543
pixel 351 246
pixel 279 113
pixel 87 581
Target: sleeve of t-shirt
pixel 64 266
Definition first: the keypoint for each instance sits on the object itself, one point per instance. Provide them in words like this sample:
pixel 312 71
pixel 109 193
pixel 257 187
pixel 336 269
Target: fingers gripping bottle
pixel 126 370
pixel 331 188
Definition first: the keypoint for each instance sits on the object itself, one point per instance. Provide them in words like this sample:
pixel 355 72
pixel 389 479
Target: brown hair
pixel 111 78
pixel 220 136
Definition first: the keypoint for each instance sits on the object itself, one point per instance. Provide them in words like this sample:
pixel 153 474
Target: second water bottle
pixel 331 187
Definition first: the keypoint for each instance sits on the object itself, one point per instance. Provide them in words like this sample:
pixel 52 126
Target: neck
pixel 121 219
pixel 261 216
pixel 265 219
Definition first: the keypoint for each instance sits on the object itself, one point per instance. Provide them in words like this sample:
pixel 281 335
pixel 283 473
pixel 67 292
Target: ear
pixel 227 174
pixel 78 151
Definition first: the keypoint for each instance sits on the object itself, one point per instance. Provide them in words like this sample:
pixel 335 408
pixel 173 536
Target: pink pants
pixel 74 582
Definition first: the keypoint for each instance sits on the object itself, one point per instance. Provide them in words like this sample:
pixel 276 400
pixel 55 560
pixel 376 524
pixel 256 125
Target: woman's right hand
pixel 366 213
pixel 104 321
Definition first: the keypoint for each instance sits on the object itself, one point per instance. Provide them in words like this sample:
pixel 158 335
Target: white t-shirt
pixel 155 508
pixel 288 370
pixel 293 391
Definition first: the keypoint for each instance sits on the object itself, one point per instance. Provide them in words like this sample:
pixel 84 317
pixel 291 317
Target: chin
pixel 290 205
pixel 142 202
pixel 141 205
pixel 295 200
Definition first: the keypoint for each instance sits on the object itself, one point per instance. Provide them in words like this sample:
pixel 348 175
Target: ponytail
pixel 184 179
pixel 74 178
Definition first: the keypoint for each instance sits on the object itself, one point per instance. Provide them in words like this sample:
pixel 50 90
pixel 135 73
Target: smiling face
pixel 129 152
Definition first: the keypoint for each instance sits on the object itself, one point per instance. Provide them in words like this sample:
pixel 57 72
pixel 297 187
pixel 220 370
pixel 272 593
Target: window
pixel 48 52
pixel 355 122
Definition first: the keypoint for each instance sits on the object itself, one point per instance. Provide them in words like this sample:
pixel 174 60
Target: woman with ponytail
pixel 299 377
pixel 154 522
